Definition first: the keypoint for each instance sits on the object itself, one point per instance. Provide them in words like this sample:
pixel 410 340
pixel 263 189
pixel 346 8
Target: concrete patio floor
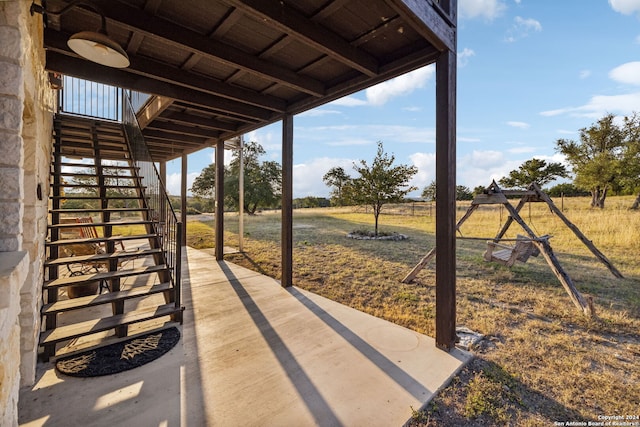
pixel 255 354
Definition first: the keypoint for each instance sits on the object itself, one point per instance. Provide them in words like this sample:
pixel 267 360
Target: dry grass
pixel 542 361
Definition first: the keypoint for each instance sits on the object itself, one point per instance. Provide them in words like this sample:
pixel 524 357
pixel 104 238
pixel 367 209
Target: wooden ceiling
pixel 219 69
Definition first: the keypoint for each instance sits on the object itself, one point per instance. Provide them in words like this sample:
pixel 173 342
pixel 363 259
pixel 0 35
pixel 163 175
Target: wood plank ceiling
pixel 219 69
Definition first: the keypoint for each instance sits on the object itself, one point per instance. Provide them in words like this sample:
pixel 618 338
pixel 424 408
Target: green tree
pixel 596 158
pixel 204 184
pixel 262 180
pixel 337 178
pixel 462 192
pixel 429 192
pixel 567 189
pixel 534 170
pixel 380 183
pixel 630 164
pixel 480 189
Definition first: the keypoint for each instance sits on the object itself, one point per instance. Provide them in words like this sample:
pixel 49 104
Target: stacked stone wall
pixel 26 107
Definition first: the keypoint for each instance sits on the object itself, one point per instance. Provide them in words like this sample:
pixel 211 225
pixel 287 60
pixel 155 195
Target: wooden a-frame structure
pixel 494 195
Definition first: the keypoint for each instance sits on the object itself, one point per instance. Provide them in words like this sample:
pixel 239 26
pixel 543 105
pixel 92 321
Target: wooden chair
pixel 508 255
pixel 88 231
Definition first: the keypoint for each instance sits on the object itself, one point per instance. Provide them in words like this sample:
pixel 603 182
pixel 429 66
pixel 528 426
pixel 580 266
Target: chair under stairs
pixel 94 175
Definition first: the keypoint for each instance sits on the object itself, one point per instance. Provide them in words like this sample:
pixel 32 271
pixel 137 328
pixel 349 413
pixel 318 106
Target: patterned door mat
pixel 120 356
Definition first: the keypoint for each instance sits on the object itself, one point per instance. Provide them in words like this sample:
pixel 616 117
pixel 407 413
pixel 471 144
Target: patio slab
pixel 255 354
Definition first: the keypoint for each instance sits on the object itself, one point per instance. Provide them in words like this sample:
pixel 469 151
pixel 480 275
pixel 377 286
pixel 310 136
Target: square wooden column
pixel 446 193
pixel 219 205
pixel 183 199
pixel 163 173
pixel 287 201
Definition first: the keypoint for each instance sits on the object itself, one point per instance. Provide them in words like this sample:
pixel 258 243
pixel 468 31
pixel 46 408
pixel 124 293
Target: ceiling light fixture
pixel 96 46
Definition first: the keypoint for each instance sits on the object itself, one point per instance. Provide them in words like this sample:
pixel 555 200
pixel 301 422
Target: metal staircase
pixel 110 224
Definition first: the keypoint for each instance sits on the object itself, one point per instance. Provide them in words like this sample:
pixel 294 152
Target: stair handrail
pixel 155 196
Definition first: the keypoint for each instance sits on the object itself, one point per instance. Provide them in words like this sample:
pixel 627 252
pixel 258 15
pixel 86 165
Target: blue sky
pixel 529 72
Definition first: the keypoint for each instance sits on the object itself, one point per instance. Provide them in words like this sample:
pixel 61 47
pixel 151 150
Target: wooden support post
pixel 425 260
pixel 219 205
pixel 163 173
pixel 585 306
pixel 413 273
pixel 446 195
pixel 183 200
pixel 509 220
pixel 287 201
pixel 466 216
pixel 588 243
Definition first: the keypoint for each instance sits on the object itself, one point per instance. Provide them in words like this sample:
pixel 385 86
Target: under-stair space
pixel 111 267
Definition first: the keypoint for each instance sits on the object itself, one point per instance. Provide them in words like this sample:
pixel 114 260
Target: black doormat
pixel 120 356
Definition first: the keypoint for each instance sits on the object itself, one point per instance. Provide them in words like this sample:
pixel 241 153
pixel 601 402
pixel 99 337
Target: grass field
pixel 542 361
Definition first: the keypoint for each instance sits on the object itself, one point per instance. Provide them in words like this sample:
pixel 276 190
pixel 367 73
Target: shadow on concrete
pixel 315 402
pixel 392 370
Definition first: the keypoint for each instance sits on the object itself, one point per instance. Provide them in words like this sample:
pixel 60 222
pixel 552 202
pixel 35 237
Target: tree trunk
pixel 598 197
pixel 376 213
pixel 636 203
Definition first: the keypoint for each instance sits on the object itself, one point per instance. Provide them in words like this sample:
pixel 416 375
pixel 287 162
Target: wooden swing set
pixel 524 247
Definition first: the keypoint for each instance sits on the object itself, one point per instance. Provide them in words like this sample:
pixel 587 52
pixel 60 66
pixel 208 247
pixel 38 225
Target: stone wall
pixel 26 106
pixel 13 272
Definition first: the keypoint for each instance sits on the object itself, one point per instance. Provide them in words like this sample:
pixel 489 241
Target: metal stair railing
pixel 161 212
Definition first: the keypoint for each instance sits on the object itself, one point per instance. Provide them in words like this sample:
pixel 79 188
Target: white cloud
pixel 174 182
pixel 521 28
pixel 426 164
pixel 519 125
pixel 463 57
pixel 467 139
pixel 628 73
pixel 307 177
pixel 584 74
pixel 566 132
pixel 522 150
pixel 345 135
pixel 403 85
pixel 518 1
pixel 319 112
pixel 600 105
pixel 626 7
pixel 481 167
pixel 349 101
pixel 487 9
pixel 347 142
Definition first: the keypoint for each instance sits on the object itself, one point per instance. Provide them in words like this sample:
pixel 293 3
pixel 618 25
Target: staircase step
pixel 102 257
pixel 107 275
pixel 88 210
pixel 98 240
pixel 115 197
pixel 100 224
pixel 83 302
pixel 61 185
pixel 89 165
pixel 89 327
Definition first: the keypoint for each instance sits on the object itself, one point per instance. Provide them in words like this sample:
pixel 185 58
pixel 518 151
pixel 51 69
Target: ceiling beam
pixel 190 119
pixel 87 70
pixel 170 137
pixel 428 19
pixel 121 14
pixel 153 69
pixel 293 23
pixel 152 109
pixel 183 129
